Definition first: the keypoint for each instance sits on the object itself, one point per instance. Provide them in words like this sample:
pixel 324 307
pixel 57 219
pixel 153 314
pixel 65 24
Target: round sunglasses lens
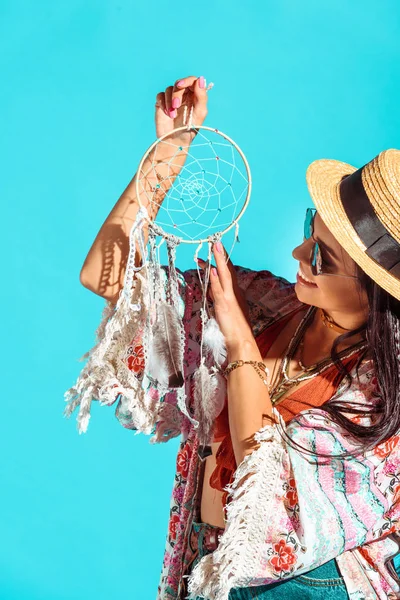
pixel 314 259
pixel 317 261
pixel 308 229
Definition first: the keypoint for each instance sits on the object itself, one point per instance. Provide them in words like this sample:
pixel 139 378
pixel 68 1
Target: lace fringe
pixel 105 374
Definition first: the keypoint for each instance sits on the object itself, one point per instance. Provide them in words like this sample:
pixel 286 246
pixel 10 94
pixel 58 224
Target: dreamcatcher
pixel 205 188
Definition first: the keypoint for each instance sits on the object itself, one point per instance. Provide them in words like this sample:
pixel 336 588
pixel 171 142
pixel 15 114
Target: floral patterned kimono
pixel 346 509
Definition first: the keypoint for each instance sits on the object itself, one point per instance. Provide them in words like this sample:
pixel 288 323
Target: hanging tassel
pixel 165 363
pixel 214 339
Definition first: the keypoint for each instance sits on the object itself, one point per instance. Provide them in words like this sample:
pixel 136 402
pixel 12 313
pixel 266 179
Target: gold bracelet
pixel 257 365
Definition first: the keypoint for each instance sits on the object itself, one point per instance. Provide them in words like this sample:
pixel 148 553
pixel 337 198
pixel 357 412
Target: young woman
pixel 298 493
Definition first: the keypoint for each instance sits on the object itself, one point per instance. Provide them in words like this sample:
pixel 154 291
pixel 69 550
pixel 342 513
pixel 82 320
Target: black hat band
pixel 381 245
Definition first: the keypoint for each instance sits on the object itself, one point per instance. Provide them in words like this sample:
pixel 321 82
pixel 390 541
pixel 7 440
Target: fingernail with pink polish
pixel 181 83
pixel 214 271
pixel 172 114
pixel 176 103
pixel 202 82
pixel 218 246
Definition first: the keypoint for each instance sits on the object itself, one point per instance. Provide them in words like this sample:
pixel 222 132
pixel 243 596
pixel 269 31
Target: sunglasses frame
pixel 315 256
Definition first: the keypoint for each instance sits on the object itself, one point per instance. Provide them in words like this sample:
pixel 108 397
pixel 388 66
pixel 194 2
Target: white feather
pixel 214 339
pixel 209 398
pixel 165 360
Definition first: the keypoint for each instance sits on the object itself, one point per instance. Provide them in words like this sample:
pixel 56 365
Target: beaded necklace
pixel 285 382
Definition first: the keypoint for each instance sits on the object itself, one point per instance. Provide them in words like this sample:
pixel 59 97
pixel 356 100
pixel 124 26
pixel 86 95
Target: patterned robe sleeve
pixel 291 511
pixel 268 296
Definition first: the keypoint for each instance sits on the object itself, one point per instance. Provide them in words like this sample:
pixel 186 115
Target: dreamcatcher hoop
pixel 187 129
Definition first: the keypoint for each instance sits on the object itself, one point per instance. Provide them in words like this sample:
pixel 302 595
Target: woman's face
pixel 334 294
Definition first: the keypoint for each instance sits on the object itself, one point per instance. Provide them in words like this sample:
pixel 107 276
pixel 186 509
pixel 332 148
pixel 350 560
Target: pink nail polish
pixel 214 271
pixel 172 114
pixel 202 82
pixel 181 83
pixel 176 103
pixel 218 246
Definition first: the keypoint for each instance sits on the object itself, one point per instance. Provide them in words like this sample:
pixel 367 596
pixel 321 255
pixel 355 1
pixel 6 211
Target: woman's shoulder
pixel 268 296
pixel 262 280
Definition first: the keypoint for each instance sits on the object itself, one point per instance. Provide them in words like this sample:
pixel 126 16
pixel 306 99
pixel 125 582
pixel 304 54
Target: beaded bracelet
pixel 257 365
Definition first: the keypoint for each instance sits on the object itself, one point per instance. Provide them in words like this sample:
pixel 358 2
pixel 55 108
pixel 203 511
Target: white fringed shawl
pixel 252 494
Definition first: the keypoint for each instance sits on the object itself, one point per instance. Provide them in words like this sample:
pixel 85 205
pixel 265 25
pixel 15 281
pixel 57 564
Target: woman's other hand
pixel 230 305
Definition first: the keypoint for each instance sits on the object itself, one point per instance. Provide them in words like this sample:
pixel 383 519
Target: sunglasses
pixel 318 265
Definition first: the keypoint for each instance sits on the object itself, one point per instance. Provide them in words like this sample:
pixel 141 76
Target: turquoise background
pixel 85 516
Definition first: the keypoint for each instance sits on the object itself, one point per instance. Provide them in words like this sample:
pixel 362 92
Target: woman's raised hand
pixel 189 91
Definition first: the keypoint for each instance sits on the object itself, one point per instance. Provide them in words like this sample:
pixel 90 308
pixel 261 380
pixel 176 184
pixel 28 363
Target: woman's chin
pixel 304 291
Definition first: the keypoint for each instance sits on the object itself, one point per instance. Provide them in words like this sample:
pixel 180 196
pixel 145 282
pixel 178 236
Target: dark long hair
pixel 382 332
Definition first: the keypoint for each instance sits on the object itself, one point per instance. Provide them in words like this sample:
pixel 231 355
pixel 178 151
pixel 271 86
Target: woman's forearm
pixel 103 270
pixel 249 403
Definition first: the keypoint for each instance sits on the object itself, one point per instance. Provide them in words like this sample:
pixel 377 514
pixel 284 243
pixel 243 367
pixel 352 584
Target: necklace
pixel 330 323
pixel 285 382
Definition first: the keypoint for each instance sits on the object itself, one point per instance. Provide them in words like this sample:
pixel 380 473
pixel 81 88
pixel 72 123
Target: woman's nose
pixel 301 252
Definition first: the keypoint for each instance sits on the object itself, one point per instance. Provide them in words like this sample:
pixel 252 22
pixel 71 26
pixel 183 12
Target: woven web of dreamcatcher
pixel 204 196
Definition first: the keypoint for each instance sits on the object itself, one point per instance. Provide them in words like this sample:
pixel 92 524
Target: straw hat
pixel 362 210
